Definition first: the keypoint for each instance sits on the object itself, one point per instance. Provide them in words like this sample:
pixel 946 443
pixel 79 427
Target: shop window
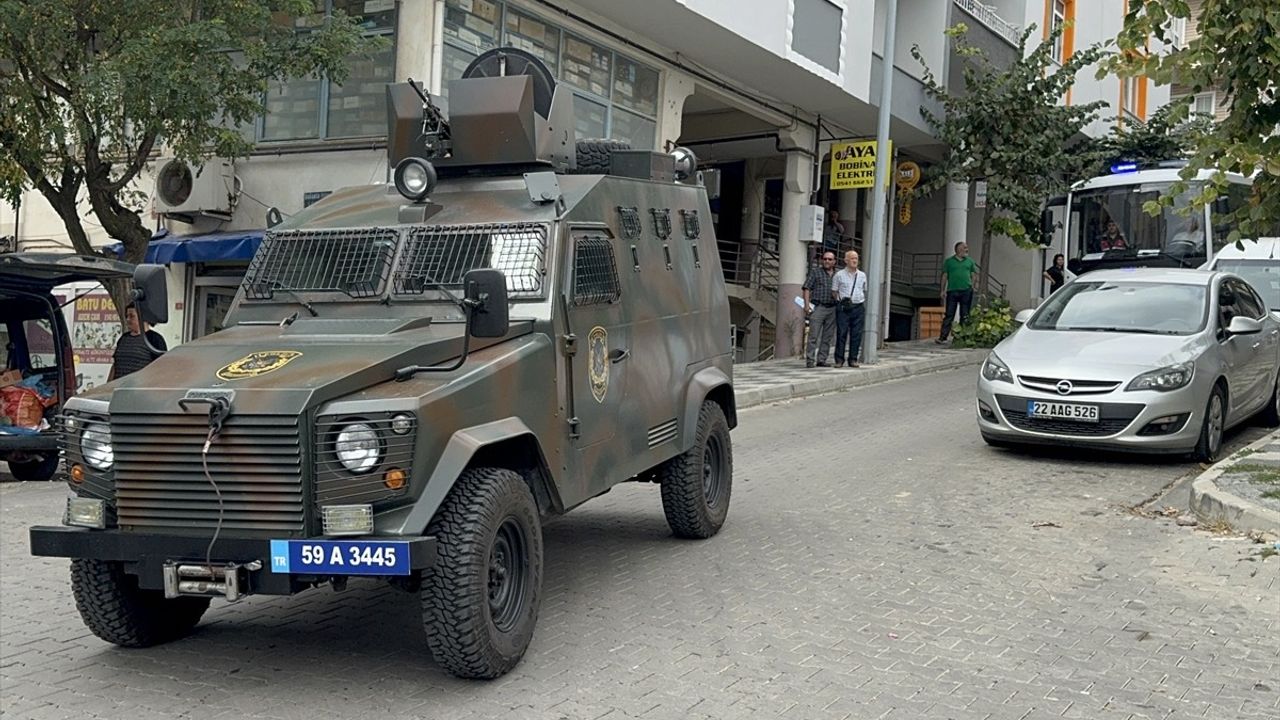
pixel 615 96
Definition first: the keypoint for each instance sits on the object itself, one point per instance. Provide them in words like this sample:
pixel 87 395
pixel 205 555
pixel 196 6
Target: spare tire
pixel 593 155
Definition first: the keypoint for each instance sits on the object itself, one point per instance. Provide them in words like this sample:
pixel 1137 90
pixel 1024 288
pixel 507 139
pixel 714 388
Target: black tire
pixel 118 611
pixel 480 600
pixel 1209 446
pixel 34 470
pixel 697 485
pixel 594 155
pixel 1270 415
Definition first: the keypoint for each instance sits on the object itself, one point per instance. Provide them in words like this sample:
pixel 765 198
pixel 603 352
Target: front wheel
pixel 115 609
pixel 1215 417
pixel 1271 413
pixel 35 470
pixel 480 600
pixel 696 485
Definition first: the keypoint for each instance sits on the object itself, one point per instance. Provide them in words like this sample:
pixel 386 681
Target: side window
pixel 40 343
pixel 1227 307
pixel 595 274
pixel 1247 301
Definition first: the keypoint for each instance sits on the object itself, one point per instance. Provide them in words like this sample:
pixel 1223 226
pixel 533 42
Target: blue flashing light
pixel 1124 167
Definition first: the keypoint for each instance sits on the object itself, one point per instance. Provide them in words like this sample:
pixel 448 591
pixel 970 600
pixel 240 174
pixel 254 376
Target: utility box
pixel 812 220
pixel 643 164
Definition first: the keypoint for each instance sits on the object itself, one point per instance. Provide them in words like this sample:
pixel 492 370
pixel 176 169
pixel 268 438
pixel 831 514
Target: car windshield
pixel 1263 275
pixel 1124 307
pixel 1112 220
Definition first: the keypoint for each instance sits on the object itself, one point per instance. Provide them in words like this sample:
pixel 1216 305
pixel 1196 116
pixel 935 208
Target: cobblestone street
pixel 879 561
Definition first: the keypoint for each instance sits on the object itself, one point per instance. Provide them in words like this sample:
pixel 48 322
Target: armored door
pixel 598 354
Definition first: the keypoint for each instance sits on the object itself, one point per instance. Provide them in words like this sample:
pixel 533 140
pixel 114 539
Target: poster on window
pixel 95 327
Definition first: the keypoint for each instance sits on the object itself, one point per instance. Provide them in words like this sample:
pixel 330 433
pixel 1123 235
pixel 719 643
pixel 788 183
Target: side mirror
pixel 1023 316
pixel 486 294
pixel 1241 325
pixel 151 294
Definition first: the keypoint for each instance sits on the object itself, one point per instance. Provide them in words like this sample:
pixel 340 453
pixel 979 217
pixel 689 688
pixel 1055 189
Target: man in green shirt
pixel 959 273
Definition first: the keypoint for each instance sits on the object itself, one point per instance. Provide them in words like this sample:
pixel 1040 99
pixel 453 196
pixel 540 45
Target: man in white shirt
pixel 850 288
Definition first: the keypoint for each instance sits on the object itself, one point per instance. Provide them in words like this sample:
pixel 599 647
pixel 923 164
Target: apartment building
pixel 760 90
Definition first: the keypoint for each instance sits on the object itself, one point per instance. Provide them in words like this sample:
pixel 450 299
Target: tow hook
pixel 186 579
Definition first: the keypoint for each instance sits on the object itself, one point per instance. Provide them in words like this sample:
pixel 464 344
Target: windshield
pixel 1127 307
pixel 1263 275
pixel 1111 220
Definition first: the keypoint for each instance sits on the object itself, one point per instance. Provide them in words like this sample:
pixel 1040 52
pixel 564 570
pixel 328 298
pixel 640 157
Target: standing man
pixel 820 304
pixel 132 351
pixel 851 296
pixel 832 232
pixel 959 273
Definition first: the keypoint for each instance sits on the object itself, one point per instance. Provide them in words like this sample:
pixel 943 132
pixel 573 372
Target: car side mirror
pixel 486 296
pixel 1241 325
pixel 1023 316
pixel 151 294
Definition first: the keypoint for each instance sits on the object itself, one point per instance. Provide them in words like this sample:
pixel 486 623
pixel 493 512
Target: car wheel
pixel 34 470
pixel 480 600
pixel 115 609
pixel 697 484
pixel 1215 417
pixel 1271 413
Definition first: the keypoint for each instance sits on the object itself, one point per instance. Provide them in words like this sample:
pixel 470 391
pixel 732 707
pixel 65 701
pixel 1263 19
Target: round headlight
pixel 357 448
pixel 401 424
pixel 415 178
pixel 95 445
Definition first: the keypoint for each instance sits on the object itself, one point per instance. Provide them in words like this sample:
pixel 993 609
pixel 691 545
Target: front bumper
pixel 145 555
pixel 1124 418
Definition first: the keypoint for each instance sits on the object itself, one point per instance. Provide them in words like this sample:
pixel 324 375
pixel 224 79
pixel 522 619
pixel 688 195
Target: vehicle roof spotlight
pixel 415 178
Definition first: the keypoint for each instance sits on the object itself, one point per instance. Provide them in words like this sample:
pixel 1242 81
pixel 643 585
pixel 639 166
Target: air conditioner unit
pixel 183 189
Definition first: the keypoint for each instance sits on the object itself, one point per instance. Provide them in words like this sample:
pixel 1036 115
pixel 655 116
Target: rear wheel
pixel 480 600
pixel 594 156
pixel 35 470
pixel 115 609
pixel 1215 417
pixel 697 484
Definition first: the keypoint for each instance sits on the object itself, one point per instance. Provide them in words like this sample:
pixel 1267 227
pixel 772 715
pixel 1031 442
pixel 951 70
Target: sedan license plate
pixel 340 557
pixel 1062 411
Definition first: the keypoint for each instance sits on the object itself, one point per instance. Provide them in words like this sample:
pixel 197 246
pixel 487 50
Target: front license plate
pixel 1062 411
pixel 340 557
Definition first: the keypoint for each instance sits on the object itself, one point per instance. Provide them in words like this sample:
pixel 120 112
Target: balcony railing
pixel 986 15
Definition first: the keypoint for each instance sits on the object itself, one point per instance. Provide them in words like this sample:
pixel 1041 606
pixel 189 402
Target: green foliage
pixel 986 326
pixel 90 88
pixel 1009 127
pixel 1170 133
pixel 1237 50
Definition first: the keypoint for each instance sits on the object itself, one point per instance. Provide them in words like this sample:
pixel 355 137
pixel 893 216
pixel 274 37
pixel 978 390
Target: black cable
pixel 217 530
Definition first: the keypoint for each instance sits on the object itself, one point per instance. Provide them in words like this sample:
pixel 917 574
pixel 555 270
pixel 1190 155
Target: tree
pixel 1237 51
pixel 1009 128
pixel 1169 134
pixel 89 89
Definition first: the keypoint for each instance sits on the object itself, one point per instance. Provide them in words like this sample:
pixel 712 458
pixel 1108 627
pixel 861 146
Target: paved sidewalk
pixel 770 381
pixel 1226 493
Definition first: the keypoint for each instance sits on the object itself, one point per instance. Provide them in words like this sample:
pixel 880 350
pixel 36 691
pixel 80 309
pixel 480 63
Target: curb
pixel 868 375
pixel 1210 502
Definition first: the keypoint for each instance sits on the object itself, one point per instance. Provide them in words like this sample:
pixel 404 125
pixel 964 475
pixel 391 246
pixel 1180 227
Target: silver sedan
pixel 1142 359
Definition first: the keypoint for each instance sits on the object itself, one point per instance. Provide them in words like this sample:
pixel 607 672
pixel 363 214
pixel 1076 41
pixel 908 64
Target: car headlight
pixel 95 445
pixel 358 448
pixel 1164 379
pixel 995 369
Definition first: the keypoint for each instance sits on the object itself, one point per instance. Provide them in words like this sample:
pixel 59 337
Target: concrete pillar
pixel 676 88
pixel 415 49
pixel 792 254
pixel 956 227
pixel 752 209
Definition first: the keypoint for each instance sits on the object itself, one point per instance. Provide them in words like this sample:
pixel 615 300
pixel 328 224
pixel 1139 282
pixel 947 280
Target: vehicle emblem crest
pixel 257 363
pixel 598 359
pixel 1064 387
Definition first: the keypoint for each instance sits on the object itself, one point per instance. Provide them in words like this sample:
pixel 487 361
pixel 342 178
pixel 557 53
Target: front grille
pixel 1114 418
pixel 1078 387
pixel 97 483
pixel 160 482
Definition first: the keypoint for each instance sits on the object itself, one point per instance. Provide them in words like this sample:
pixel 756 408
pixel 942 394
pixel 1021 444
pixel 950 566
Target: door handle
pixel 1257 345
pixel 619 355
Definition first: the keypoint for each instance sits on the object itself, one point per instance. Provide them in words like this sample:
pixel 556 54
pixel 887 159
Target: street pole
pixel 875 245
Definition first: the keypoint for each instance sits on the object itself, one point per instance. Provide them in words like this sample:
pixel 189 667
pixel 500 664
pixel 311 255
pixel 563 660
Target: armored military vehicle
pixel 412 377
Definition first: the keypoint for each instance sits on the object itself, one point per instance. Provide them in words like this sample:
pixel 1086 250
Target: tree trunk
pixel 126 226
pixel 984 264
